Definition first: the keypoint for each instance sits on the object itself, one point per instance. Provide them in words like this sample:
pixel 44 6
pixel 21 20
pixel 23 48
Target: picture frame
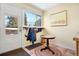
pixel 59 18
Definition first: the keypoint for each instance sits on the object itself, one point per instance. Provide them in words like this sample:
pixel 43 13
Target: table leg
pixel 47 43
pixel 47 47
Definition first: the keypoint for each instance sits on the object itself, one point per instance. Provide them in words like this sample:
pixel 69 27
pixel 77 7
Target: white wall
pixel 0 21
pixel 64 34
pixel 29 7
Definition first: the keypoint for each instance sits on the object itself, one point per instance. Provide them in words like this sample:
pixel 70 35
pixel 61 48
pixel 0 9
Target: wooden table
pixel 47 42
pixel 77 45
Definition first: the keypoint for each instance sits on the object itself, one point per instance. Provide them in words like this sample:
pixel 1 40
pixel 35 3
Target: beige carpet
pixel 59 51
pixel 46 52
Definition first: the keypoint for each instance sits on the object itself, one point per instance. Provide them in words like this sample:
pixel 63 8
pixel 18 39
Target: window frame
pixel 36 17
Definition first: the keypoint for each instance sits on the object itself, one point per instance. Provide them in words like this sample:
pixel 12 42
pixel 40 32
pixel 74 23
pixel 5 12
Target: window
pixel 10 22
pixel 11 25
pixel 32 19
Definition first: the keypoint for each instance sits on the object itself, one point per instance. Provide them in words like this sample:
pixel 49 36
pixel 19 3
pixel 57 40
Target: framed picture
pixel 59 18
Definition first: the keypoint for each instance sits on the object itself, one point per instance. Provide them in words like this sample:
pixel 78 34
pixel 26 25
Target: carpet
pixel 59 51
pixel 46 52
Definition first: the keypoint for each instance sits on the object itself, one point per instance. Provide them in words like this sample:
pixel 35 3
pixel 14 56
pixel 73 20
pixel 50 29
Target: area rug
pixel 46 52
pixel 58 51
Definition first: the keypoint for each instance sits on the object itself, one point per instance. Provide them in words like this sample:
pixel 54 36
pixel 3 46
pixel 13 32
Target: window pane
pixel 10 22
pixel 11 25
pixel 32 19
pixel 38 21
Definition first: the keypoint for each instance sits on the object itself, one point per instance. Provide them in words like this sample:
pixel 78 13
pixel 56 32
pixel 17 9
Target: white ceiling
pixel 44 6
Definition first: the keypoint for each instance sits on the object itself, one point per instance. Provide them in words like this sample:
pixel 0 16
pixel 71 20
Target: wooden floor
pixel 34 50
pixel 17 52
pixel 20 51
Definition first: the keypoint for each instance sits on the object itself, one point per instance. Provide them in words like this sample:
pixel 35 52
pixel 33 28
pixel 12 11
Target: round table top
pixel 48 37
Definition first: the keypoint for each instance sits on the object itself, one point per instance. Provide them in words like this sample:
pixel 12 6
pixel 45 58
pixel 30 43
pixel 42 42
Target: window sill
pixel 11 28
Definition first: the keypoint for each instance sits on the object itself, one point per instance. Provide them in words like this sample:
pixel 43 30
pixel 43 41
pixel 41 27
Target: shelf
pixel 26 27
pixel 37 29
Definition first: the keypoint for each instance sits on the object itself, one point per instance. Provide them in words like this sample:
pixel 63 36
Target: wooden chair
pixel 43 42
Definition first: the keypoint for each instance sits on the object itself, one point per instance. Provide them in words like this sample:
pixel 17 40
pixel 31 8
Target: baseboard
pixel 64 46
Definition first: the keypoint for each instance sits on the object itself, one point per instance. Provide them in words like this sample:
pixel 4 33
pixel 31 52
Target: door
pixel 10 28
